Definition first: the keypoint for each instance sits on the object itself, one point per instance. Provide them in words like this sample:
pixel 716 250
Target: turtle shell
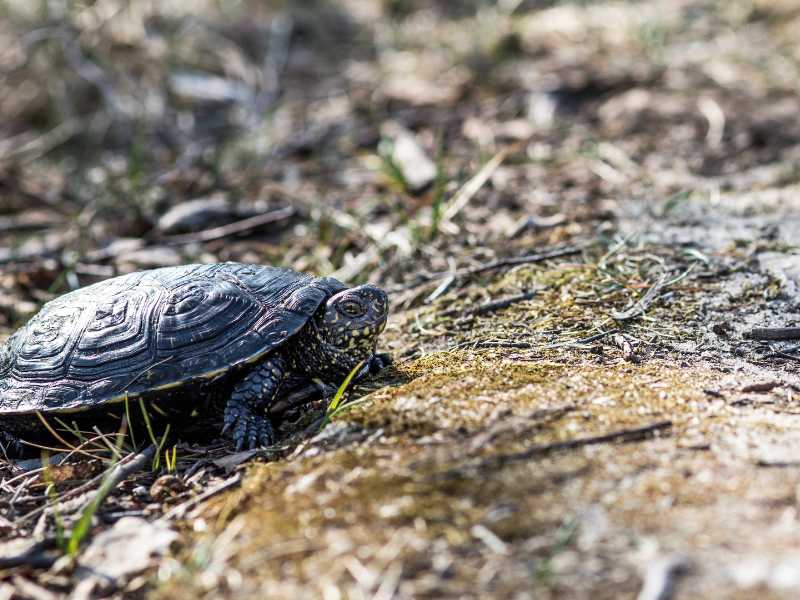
pixel 153 330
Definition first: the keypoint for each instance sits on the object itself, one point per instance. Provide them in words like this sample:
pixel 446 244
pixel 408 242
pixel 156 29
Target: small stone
pixel 198 87
pixel 129 547
pixel 147 258
pixel 196 214
pixel 165 487
pixel 407 155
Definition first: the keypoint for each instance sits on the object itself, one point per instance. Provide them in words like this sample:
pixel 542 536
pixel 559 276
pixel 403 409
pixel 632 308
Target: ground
pixel 581 211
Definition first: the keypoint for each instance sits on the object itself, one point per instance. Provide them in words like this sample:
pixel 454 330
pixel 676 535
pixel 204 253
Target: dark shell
pixel 153 330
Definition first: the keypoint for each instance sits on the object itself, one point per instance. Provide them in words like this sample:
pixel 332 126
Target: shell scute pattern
pixel 50 341
pixel 151 330
pixel 109 314
pixel 197 313
pixel 109 345
pixel 304 301
pixel 20 399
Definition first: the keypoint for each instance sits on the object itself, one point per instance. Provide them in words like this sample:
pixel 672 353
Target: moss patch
pixel 418 501
pixel 462 391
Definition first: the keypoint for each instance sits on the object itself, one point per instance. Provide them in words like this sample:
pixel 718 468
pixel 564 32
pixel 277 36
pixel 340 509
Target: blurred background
pixel 370 139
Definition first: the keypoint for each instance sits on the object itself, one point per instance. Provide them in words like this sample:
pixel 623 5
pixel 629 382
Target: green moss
pixel 419 496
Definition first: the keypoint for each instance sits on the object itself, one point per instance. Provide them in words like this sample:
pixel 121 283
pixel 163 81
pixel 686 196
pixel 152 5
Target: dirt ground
pixel 581 211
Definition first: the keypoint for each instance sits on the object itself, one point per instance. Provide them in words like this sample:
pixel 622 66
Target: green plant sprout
pixel 333 407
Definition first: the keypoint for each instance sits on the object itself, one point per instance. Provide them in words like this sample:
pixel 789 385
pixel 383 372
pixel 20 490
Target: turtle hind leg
pixel 10 447
pixel 246 420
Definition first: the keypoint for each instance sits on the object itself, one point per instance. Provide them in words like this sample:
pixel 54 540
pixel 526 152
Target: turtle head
pixel 344 331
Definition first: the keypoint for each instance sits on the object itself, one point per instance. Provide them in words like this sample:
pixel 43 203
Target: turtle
pixel 220 344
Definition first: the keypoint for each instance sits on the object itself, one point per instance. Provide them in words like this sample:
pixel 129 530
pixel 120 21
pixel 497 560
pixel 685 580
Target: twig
pixel 492 306
pixel 774 333
pixel 118 474
pixel 31 556
pixel 502 303
pixel 623 436
pixel 595 337
pixel 58 437
pixel 762 387
pixel 641 306
pixel 582 341
pixel 216 233
pixel 494 344
pixel 124 469
pixel 496 264
pixel 781 354
pixel 521 260
pixel 47 247
pixel 24 150
pixel 469 189
pixel 33 220
pixel 181 509
pixel 444 285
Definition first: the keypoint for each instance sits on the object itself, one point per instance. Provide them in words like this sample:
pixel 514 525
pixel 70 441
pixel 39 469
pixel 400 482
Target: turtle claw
pixel 326 391
pixel 247 430
pixel 379 362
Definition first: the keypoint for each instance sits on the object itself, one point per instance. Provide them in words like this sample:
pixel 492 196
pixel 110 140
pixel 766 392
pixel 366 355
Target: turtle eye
pixel 351 308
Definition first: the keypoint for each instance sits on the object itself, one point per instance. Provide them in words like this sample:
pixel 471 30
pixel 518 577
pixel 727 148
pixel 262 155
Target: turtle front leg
pixel 246 420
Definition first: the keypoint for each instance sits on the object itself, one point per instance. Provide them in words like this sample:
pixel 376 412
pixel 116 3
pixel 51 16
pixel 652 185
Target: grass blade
pixel 53 500
pixel 337 398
